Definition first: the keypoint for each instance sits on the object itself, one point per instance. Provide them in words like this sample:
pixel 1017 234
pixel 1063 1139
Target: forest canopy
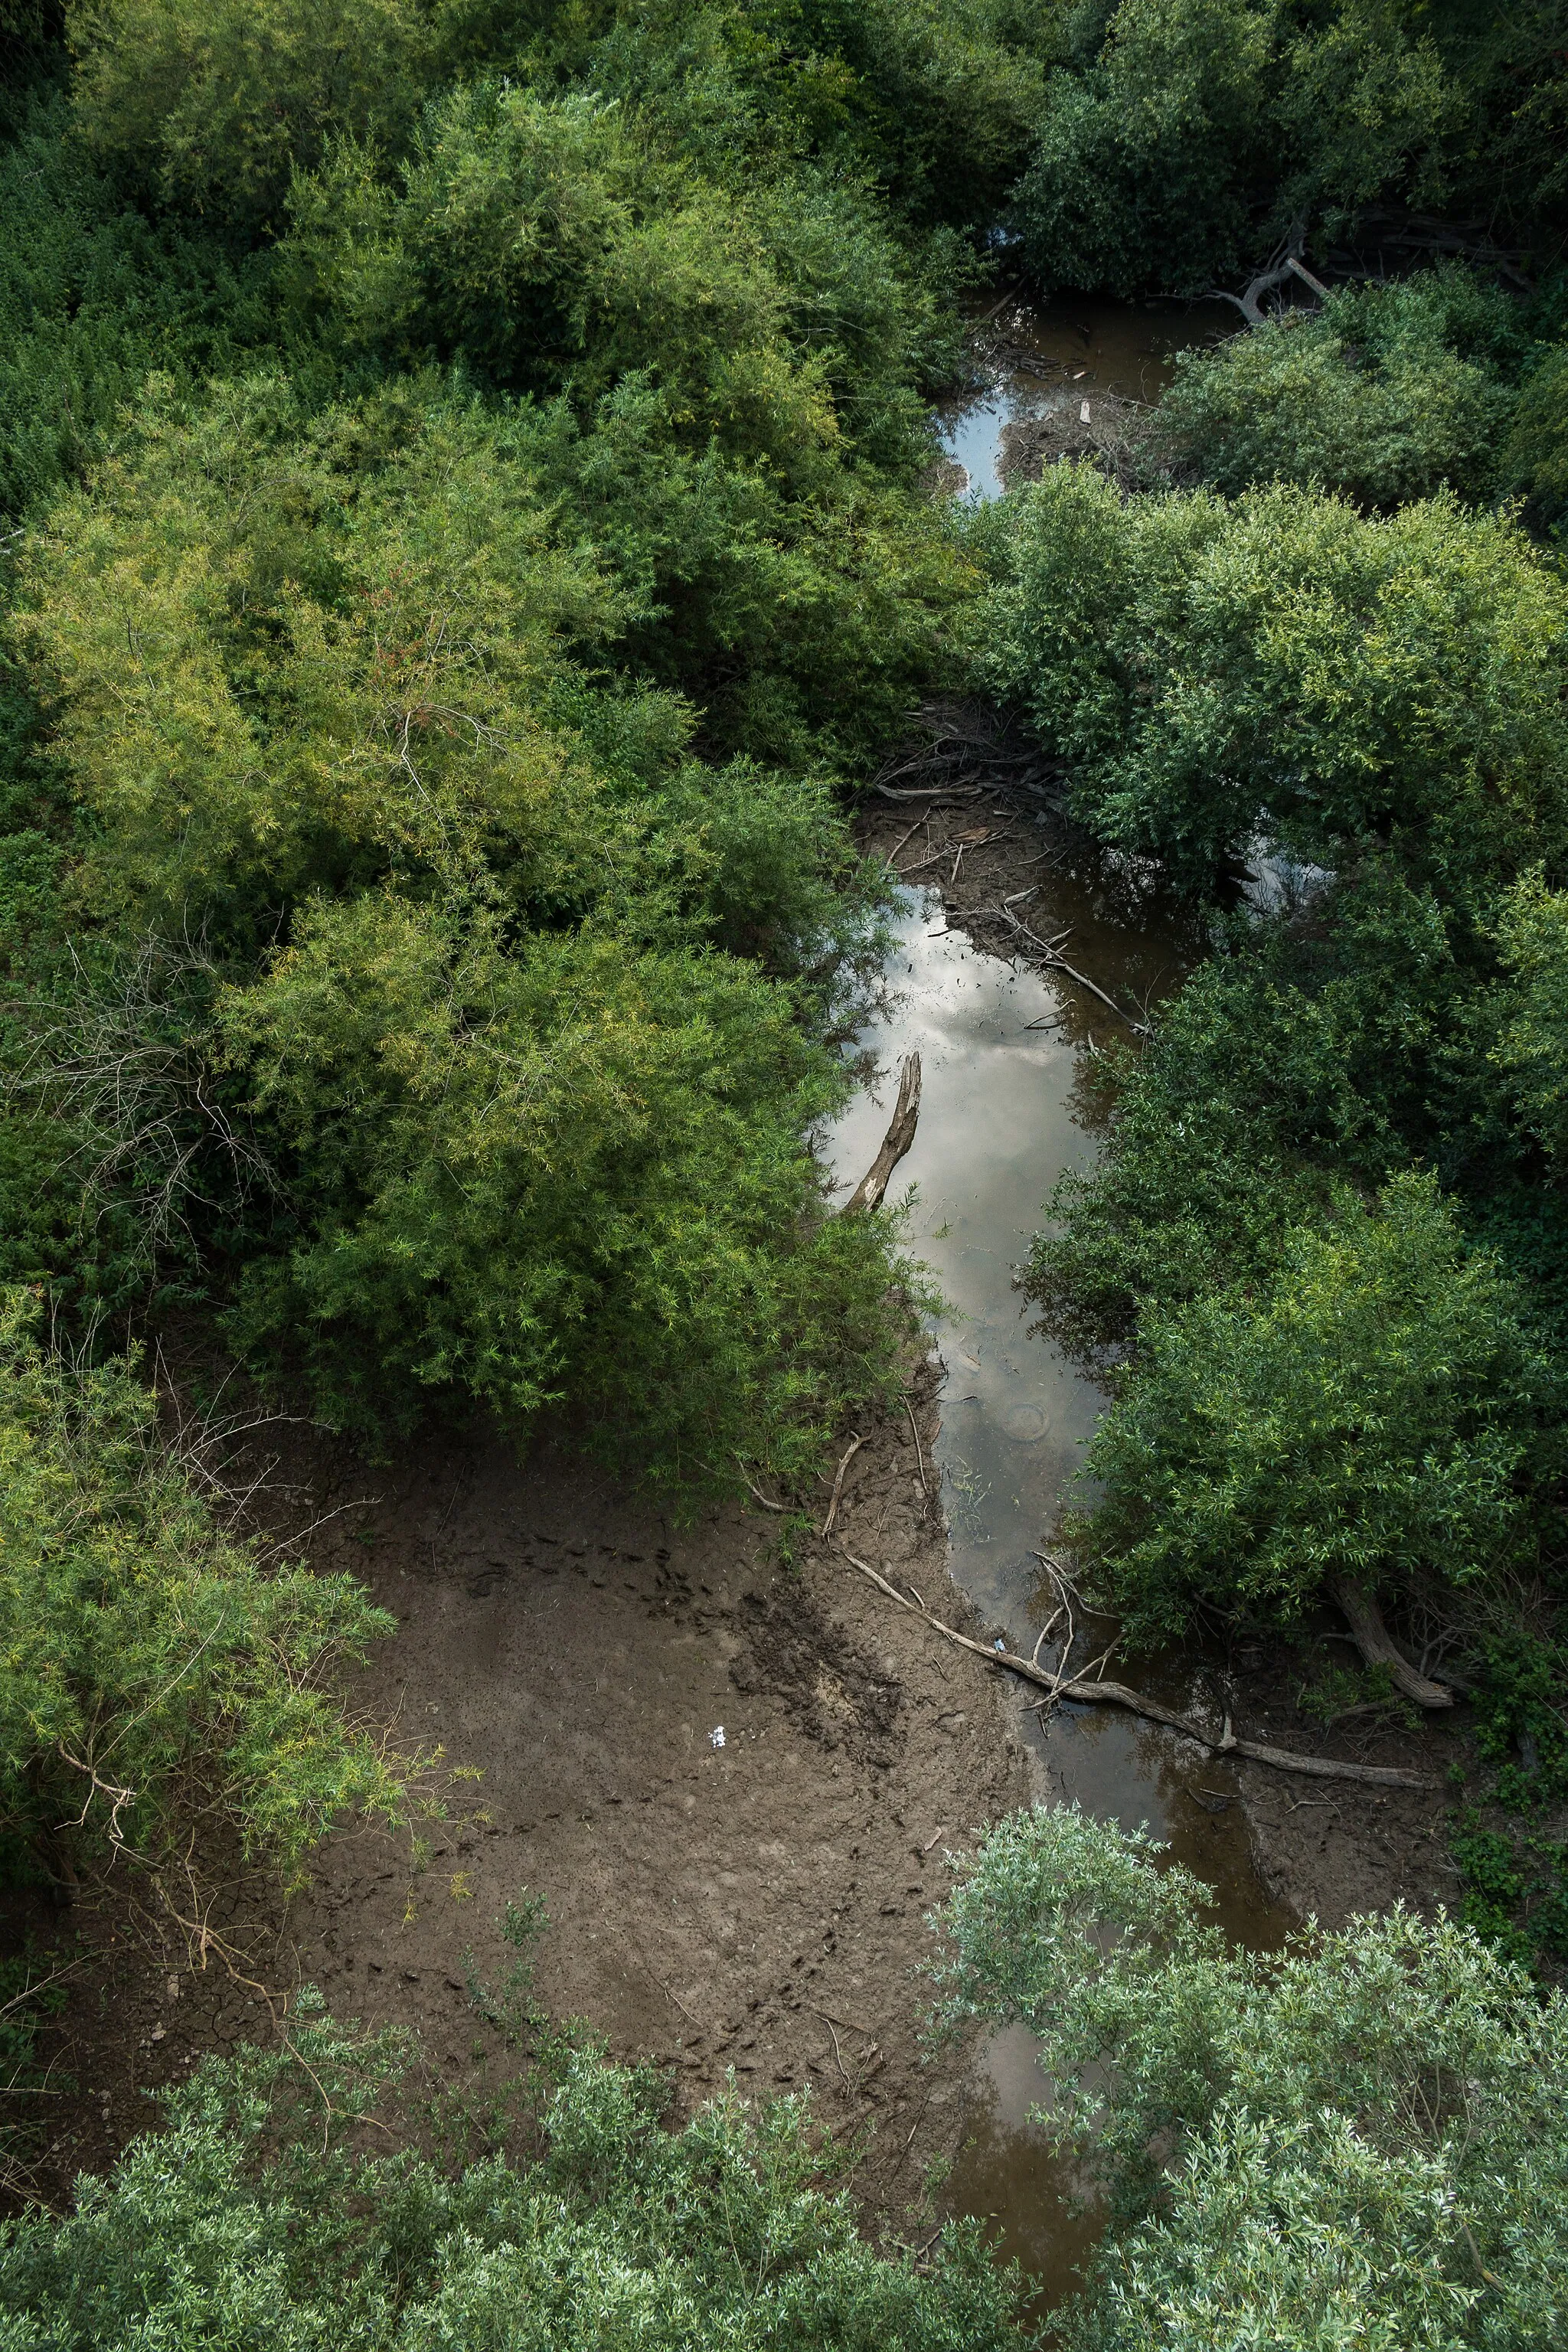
pixel 469 533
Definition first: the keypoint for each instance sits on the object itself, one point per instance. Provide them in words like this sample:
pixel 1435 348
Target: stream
pixel 1002 1050
pixel 1064 355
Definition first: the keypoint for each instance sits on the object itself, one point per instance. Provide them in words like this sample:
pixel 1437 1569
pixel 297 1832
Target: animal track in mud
pixel 827 1684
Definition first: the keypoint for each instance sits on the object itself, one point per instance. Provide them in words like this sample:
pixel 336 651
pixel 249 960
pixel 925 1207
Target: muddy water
pixel 1030 360
pixel 1003 1053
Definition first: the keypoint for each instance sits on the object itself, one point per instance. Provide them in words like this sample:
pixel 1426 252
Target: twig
pixel 1102 1693
pixel 1045 1634
pixel 838 2018
pixel 838 2053
pixel 905 871
pixel 756 1491
pixel 675 1997
pixel 919 1457
pixel 893 853
pixel 855 1445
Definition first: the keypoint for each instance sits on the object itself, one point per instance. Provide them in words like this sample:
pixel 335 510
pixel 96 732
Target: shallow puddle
pixel 1030 360
pixel 1002 1050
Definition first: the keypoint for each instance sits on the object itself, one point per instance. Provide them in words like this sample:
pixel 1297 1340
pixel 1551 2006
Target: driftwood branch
pixel 931 792
pixel 1287 264
pixel 867 1194
pixel 1376 1644
pixel 855 1445
pixel 1093 1694
pixel 1053 961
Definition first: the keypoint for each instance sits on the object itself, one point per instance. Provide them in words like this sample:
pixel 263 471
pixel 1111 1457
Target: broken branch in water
pixel 1057 963
pixel 1092 1694
pixel 1375 1643
pixel 867 1194
pixel 1288 264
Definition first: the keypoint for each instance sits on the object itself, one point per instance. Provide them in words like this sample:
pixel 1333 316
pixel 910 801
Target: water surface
pixel 1027 361
pixel 1003 1051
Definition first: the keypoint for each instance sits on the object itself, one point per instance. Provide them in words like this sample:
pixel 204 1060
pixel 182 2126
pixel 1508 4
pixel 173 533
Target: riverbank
pixel 755 1906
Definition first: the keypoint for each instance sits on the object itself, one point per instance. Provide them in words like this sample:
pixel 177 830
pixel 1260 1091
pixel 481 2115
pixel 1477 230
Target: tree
pixel 1357 2140
pixel 1386 393
pixel 1284 666
pixel 1370 1410
pixel 158 1675
pixel 252 2218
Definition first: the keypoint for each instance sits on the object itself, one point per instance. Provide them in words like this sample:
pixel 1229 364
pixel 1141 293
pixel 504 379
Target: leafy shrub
pixel 1369 108
pixel 1149 161
pixel 1178 142
pixel 1536 455
pixel 1287 666
pixel 1530 1011
pixel 156 1673
pixel 1386 393
pixel 212 106
pixel 93 295
pixel 1357 2140
pixel 251 2217
pixel 1297 1056
pixel 574 1172
pixel 1373 1410
pixel 534 1136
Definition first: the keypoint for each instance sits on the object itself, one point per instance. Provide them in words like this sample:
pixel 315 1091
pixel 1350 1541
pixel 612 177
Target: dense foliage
pixel 1388 393
pixel 1372 1410
pixel 1357 2140
pixel 1282 665
pixel 256 2218
pixel 158 1675
pixel 428 911
pixel 1322 1378
pixel 1179 138
pixel 465 526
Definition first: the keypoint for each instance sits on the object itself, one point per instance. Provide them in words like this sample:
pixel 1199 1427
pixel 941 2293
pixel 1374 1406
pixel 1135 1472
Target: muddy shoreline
pixel 755 1908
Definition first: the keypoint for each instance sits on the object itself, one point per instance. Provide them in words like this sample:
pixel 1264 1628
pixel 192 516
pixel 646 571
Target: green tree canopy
pixel 158 1676
pixel 1357 2140
pixel 1372 1410
pixel 1286 667
pixel 250 2217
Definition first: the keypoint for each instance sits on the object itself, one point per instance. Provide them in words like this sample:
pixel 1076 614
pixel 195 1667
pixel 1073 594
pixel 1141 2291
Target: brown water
pixel 998 1123
pixel 1030 360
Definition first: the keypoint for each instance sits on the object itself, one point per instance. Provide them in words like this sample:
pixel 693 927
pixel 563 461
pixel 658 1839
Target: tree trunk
pixel 1375 1643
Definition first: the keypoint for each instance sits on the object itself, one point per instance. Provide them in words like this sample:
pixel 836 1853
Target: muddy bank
pixel 756 1906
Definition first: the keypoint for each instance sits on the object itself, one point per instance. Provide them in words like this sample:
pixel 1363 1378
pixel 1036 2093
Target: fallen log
pixel 1375 1643
pixel 931 792
pixel 1095 1694
pixel 867 1194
